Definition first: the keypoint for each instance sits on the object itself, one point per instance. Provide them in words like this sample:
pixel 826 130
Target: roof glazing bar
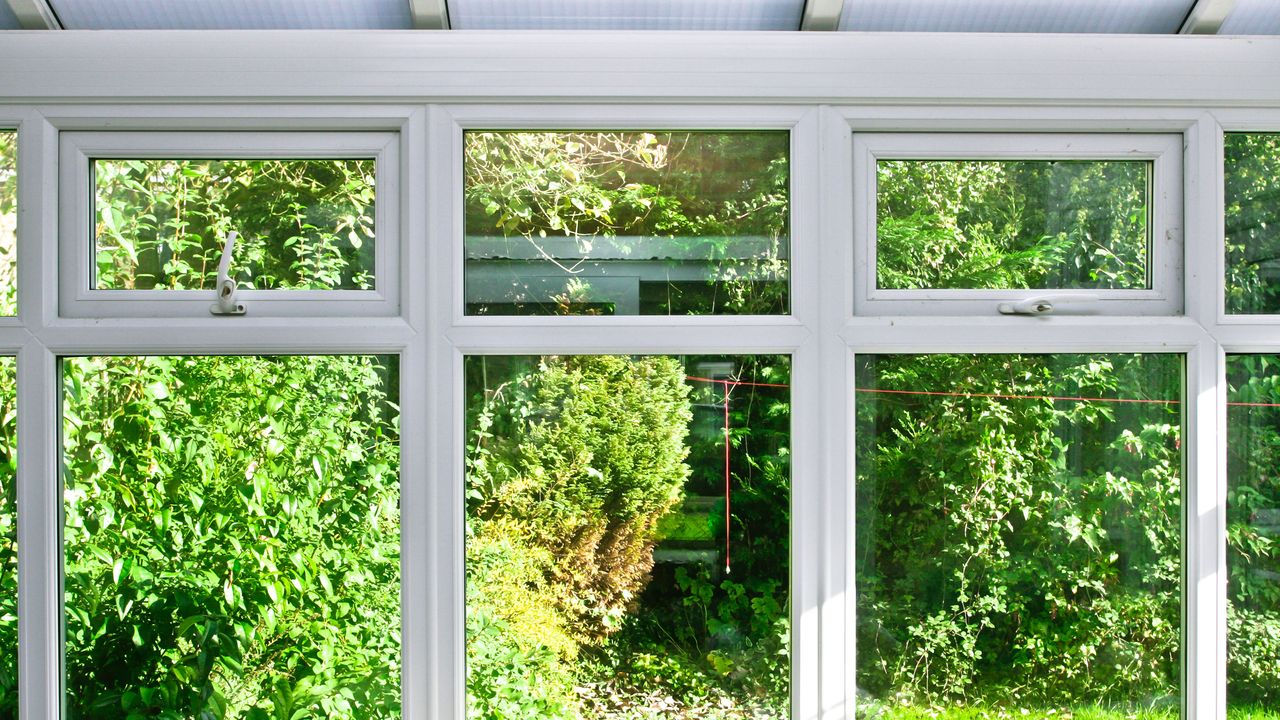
pixel 429 14
pixel 821 15
pixel 36 14
pixel 1206 16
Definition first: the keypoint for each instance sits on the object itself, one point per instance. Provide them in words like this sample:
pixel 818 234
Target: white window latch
pixel 226 288
pixel 1043 304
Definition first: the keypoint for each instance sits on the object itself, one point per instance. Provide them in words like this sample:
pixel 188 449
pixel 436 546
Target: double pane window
pixel 231 535
pixel 313 220
pixel 973 223
pixel 627 223
pixel 628 536
pixel 1019 528
pixel 1252 222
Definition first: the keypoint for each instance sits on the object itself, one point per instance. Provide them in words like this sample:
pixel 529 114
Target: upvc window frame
pixel 1238 121
pixel 78 298
pixel 838 85
pixel 1162 296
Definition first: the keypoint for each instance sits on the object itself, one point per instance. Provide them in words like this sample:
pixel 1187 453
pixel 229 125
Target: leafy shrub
pixel 1018 550
pixel 232 537
pixel 302 223
pixel 581 458
pixel 8 540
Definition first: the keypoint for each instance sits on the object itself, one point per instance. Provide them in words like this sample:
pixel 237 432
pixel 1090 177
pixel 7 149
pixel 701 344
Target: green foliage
pixel 561 446
pixel 1252 222
pixel 1018 551
pixel 232 537
pixel 1253 531
pixel 1011 224
pixel 721 198
pixel 8 222
pixel 582 457
pixel 305 224
pixel 8 540
pixel 572 463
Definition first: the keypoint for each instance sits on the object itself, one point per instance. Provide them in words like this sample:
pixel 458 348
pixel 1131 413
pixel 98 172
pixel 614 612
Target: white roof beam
pixel 822 15
pixel 1206 17
pixel 35 14
pixel 429 14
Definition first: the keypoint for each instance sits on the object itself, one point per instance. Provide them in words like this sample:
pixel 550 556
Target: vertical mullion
pixel 444 598
pixel 834 385
pixel 416 617
pixel 39 537
pixel 1204 535
pixel 38 483
pixel 810 551
pixel 1205 586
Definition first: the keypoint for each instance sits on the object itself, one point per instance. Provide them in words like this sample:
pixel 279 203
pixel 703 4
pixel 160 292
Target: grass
pixel 911 712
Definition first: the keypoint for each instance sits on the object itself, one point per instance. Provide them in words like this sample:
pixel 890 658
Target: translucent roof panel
pixel 1253 17
pixel 8 21
pixel 625 14
pixel 1017 16
pixel 231 14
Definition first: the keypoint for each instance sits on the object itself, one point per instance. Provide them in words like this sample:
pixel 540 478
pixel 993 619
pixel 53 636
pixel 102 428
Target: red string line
pixel 994 396
pixel 727 514
pixel 729 384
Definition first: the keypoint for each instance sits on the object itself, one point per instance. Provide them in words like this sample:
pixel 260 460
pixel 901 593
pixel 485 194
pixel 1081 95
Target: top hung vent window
pixel 1019 224
pixel 305 224
pixel 165 217
pixel 1252 222
pixel 627 223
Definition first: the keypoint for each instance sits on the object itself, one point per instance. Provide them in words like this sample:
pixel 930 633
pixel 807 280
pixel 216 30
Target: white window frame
pixel 1164 261
pixel 837 84
pixel 79 149
pixel 1236 121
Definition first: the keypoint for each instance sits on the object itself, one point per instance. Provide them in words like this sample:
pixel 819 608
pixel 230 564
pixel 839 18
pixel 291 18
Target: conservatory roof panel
pixel 231 14
pixel 1253 17
pixel 8 20
pixel 1020 16
pixel 625 14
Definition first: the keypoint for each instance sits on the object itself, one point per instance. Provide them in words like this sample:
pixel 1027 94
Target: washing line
pixel 729 384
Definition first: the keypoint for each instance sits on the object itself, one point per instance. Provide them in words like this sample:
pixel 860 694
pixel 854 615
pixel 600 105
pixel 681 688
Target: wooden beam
pixel 429 14
pixel 1206 17
pixel 35 14
pixel 822 15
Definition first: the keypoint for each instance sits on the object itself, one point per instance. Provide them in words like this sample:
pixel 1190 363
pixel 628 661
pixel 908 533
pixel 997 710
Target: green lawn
pixel 880 712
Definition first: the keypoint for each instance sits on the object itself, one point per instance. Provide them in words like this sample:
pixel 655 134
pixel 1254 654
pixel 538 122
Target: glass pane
pixel 603 581
pixel 998 225
pixel 1252 222
pixel 8 538
pixel 302 224
pixel 232 537
pixel 1018 536
pixel 1253 537
pixel 627 223
pixel 8 222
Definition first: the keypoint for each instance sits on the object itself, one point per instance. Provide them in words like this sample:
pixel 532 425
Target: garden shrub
pixel 301 223
pixel 580 458
pixel 232 537
pixel 1019 551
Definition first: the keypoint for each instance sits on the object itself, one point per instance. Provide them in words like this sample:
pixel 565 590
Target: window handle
pixel 226 301
pixel 1043 304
